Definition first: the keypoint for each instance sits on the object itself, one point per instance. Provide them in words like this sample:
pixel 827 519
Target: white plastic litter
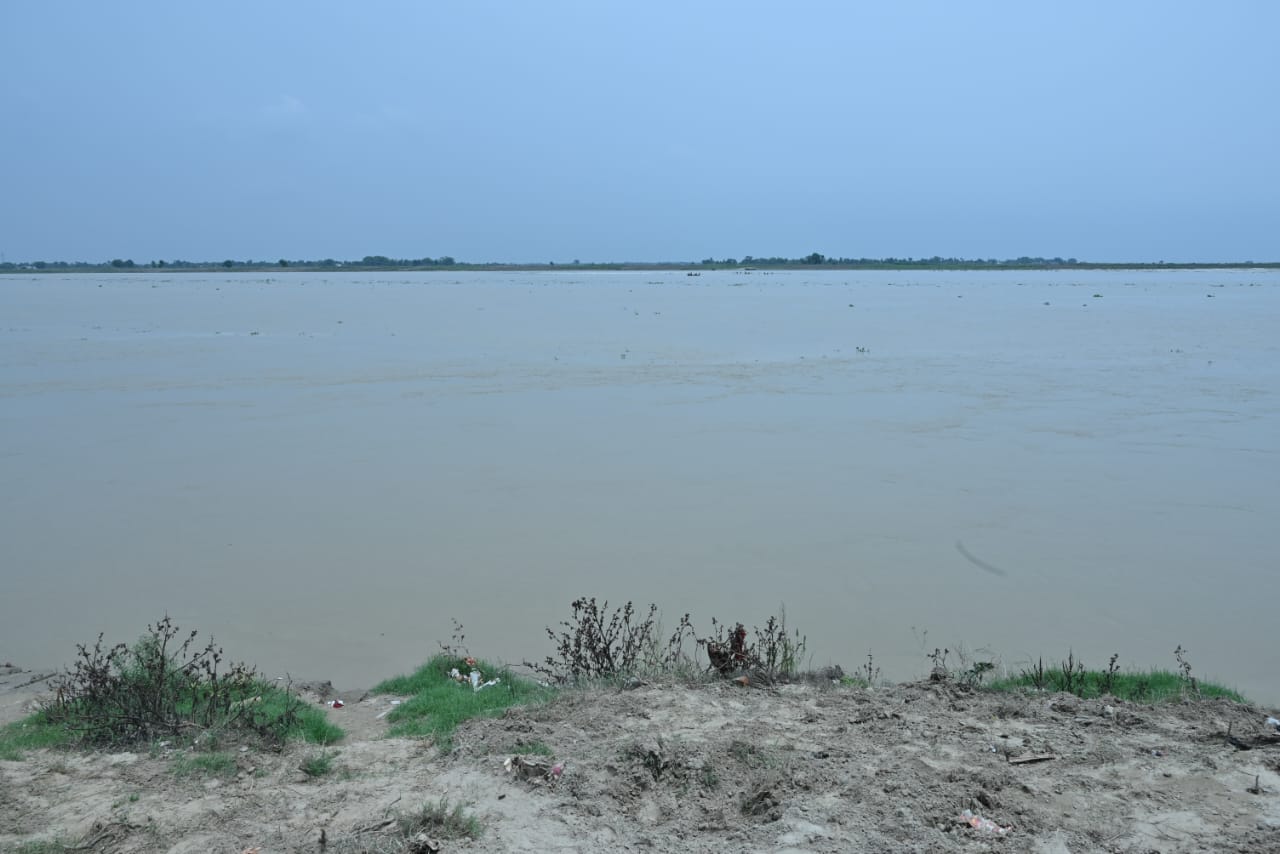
pixel 977 822
pixel 474 678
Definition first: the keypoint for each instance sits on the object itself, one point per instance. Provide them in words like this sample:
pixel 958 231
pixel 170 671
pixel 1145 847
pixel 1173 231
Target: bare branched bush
pixel 1073 673
pixel 727 649
pixel 1108 683
pixel 1184 670
pixel 598 643
pixel 457 646
pixel 1037 675
pixel 939 672
pixel 776 653
pixel 869 672
pixel 161 686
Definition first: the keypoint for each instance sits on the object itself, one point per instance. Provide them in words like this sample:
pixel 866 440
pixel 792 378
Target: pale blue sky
pixel 522 131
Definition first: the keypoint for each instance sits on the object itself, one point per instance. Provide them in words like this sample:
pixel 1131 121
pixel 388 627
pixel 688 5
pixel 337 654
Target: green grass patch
pixel 209 764
pixel 280 711
pixel 439 821
pixel 44 846
pixel 271 712
pixel 318 765
pixel 709 778
pixel 438 704
pixel 166 686
pixel 1153 686
pixel 533 748
pixel 31 733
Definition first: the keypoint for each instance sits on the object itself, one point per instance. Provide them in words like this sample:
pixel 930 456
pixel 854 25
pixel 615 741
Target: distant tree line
pixel 813 259
pixel 817 259
pixel 228 264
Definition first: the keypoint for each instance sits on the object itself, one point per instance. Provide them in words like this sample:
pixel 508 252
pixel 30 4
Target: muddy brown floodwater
pixel 322 469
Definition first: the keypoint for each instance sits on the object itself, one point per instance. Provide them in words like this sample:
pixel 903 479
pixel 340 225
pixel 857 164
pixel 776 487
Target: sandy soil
pixel 716 767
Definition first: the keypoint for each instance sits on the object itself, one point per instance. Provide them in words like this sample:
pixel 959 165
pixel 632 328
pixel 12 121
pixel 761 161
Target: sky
pixel 616 131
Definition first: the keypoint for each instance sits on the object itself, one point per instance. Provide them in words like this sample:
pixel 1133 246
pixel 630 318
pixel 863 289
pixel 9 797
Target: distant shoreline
pixel 656 267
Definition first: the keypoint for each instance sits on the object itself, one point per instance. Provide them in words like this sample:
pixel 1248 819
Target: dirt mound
pixel 708 768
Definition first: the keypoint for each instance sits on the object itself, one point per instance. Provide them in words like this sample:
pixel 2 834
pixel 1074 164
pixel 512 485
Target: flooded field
pixel 323 469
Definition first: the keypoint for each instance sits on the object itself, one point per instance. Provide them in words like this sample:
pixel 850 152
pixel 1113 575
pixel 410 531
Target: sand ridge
pixel 713 767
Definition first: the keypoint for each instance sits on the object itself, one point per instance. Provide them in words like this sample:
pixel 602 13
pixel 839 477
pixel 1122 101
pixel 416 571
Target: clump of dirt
pixel 713 767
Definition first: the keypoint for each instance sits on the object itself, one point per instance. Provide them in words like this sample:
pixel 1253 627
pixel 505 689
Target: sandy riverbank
pixel 715 767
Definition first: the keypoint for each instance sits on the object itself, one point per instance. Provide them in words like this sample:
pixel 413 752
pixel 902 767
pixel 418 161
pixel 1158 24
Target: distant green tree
pixel 284 263
pixel 813 258
pixel 228 263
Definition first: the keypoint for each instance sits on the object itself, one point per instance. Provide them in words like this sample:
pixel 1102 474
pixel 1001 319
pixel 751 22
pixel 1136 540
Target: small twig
pixel 1235 742
pixel 105 833
pixel 376 826
pixel 1027 760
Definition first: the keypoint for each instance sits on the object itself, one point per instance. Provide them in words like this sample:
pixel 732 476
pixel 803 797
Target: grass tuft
pixel 32 733
pixel 270 712
pixel 440 821
pixel 318 765
pixel 1153 686
pixel 165 686
pixel 208 764
pixel 44 846
pixel 296 720
pixel 438 704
